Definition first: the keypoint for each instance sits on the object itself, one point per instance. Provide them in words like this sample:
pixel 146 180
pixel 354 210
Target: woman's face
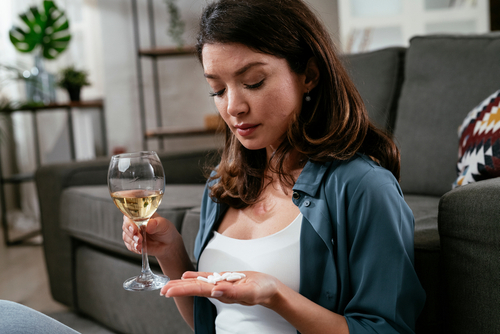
pixel 256 94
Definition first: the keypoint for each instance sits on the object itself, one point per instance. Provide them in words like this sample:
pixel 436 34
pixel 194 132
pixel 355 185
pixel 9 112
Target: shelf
pixel 69 104
pixel 18 178
pixel 168 51
pixel 24 239
pixel 179 132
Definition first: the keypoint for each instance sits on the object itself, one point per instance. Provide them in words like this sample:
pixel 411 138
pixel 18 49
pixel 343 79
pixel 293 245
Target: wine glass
pixel 136 182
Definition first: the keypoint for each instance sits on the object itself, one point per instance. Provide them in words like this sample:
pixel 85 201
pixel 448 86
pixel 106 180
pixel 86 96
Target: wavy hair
pixel 334 125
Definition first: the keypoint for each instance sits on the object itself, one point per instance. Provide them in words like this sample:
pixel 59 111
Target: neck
pixel 293 164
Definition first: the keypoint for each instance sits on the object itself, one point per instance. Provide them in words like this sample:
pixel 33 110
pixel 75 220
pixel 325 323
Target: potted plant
pixel 45 32
pixel 73 80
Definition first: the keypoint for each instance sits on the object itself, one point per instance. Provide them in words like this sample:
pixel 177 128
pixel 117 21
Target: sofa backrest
pixel 188 167
pixel 378 76
pixel 445 77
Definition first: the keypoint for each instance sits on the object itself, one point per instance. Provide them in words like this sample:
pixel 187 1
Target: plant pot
pixel 74 93
pixel 40 85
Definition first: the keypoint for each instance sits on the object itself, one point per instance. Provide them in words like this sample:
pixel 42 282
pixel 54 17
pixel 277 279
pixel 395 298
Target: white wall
pixel 366 25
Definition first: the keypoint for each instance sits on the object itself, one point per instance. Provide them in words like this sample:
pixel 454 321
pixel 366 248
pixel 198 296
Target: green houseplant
pixel 73 80
pixel 45 32
pixel 176 24
pixel 47 29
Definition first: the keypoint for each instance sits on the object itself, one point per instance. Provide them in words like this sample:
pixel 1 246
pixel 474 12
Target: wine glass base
pixel 148 283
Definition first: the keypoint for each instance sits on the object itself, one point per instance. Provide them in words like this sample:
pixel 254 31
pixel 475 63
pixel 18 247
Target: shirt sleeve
pixel 386 294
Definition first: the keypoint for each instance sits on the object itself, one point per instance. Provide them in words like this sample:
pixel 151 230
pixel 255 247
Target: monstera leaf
pixel 48 29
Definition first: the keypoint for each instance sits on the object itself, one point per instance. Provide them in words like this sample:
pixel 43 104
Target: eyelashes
pixel 221 92
pixel 257 85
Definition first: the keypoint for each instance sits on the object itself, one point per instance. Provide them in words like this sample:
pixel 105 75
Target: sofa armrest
pixel 51 180
pixel 469 228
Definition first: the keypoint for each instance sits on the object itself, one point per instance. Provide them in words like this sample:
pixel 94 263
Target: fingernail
pixel 162 294
pixel 217 294
pixel 136 246
pixel 131 229
pixel 136 238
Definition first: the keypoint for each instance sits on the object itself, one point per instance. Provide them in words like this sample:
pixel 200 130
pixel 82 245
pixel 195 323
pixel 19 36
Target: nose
pixel 236 103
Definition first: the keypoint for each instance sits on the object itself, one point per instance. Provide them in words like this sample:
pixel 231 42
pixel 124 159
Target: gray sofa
pixel 421 94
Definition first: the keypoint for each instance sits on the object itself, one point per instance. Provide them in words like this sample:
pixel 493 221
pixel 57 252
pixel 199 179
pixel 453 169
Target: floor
pixel 24 279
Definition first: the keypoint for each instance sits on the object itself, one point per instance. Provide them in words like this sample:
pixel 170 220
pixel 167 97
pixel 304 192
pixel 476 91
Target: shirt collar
pixel 310 178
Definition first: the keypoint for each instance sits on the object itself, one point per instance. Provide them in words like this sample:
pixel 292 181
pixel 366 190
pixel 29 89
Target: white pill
pixel 233 277
pixel 216 277
pixel 201 278
pixel 241 275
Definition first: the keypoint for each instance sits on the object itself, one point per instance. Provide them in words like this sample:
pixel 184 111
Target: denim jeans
pixel 19 319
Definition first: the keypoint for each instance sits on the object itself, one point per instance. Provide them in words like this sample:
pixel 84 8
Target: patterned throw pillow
pixel 479 147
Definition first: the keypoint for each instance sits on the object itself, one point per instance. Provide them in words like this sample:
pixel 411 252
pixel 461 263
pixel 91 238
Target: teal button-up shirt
pixel 356 247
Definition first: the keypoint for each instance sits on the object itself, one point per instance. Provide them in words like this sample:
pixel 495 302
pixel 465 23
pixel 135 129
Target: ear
pixel 311 74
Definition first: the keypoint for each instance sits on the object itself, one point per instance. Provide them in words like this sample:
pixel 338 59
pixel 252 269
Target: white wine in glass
pixel 136 183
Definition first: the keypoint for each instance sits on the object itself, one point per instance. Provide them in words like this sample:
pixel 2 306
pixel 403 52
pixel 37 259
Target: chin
pixel 251 146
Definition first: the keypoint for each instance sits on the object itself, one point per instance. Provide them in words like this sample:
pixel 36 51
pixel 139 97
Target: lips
pixel 245 129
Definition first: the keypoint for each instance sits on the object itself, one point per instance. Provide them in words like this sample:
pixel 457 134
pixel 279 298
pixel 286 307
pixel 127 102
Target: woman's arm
pixel 166 244
pixel 262 289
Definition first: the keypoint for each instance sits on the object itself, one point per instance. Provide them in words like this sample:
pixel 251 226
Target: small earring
pixel 308 97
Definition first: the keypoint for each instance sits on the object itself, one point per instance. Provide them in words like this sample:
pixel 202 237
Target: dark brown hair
pixel 334 125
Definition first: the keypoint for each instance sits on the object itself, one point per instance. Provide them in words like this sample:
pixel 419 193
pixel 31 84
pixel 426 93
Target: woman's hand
pixel 254 289
pixel 160 235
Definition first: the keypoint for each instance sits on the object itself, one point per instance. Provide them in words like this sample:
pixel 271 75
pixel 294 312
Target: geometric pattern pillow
pixel 479 146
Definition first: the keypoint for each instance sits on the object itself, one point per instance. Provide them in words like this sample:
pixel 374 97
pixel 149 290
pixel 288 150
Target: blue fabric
pixel 356 247
pixel 19 319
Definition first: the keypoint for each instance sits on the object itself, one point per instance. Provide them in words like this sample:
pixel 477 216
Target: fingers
pixel 131 235
pixel 189 287
pixel 158 228
pixel 157 225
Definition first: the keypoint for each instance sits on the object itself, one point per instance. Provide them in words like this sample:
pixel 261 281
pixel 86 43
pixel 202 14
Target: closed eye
pixel 257 85
pixel 219 93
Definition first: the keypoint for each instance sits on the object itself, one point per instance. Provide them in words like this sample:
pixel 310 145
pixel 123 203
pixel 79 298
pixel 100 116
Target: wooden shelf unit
pixel 154 52
pixel 28 177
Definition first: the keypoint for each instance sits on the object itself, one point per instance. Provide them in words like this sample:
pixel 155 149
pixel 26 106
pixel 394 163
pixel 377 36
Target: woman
pixel 305 201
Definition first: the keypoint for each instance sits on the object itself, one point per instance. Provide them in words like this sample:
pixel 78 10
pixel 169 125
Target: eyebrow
pixel 239 71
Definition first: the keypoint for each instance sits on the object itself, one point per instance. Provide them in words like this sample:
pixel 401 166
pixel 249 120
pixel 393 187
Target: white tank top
pixel 277 255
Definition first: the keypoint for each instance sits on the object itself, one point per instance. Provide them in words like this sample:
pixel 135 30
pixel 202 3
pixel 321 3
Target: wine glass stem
pixel 146 271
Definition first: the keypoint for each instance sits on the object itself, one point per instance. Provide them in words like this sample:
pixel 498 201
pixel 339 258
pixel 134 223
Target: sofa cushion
pixel 89 214
pixel 445 77
pixel 479 143
pixel 425 211
pixel 378 76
